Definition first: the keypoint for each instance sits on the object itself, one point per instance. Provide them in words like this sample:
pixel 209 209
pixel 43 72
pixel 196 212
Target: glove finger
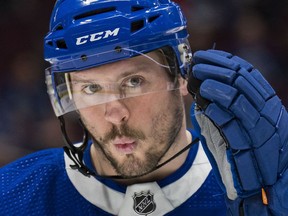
pixel 263 82
pixel 259 93
pixel 256 82
pixel 204 71
pixel 221 53
pixel 218 92
pixel 215 59
pixel 243 63
pixel 245 112
pixel 250 92
pixel 251 121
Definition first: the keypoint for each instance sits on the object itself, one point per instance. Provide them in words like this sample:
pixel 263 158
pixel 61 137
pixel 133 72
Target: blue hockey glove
pixel 245 127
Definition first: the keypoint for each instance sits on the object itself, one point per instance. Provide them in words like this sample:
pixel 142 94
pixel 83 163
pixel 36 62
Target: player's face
pixel 132 134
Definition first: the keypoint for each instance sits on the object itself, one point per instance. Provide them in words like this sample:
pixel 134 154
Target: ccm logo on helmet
pixel 96 36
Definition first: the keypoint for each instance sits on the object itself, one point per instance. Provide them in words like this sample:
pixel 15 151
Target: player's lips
pixel 125 145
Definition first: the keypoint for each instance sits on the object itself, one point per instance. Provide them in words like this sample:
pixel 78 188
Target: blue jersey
pixel 43 183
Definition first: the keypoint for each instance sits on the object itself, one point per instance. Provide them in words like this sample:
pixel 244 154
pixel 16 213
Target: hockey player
pixel 123 67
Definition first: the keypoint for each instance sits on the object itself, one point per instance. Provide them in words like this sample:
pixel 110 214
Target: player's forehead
pixel 115 70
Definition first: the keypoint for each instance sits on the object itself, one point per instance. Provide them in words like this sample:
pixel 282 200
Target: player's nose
pixel 116 112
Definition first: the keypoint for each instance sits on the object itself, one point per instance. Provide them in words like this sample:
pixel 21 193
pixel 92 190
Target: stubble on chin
pixel 163 138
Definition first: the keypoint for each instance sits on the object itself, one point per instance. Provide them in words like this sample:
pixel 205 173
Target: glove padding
pixel 243 121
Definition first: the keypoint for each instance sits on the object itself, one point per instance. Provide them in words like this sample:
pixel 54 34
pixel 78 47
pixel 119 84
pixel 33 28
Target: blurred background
pixel 253 29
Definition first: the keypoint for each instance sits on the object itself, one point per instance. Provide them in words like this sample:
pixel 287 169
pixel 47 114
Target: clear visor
pixel 127 79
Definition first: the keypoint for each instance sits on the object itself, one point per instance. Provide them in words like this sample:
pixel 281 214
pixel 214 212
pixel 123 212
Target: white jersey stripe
pixel 171 196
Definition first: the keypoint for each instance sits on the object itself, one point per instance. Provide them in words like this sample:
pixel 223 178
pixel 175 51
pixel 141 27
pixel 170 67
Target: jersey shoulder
pixel 38 185
pixel 32 162
pixel 25 182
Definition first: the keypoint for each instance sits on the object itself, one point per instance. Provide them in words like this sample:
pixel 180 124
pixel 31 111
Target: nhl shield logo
pixel 144 203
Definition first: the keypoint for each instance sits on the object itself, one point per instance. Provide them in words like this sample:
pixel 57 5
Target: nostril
pixel 124 119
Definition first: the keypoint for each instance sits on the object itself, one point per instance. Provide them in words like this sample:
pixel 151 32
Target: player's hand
pixel 243 121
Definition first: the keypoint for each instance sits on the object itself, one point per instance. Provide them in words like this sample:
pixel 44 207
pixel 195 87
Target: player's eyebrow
pixel 80 80
pixel 141 68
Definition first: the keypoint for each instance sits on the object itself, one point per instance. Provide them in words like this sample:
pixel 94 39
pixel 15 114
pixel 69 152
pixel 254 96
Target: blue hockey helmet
pixel 89 33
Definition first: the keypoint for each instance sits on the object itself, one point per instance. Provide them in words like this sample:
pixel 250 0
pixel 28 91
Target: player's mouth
pixel 125 145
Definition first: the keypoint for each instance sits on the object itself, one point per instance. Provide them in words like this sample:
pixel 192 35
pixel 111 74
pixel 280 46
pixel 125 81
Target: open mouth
pixel 125 145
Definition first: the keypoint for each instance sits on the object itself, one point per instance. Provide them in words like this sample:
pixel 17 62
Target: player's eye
pixel 133 82
pixel 91 89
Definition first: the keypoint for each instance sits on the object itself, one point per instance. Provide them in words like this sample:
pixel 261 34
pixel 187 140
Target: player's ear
pixel 183 86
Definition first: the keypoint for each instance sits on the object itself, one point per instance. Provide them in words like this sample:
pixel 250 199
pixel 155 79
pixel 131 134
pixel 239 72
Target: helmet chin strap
pixel 73 152
pixel 76 154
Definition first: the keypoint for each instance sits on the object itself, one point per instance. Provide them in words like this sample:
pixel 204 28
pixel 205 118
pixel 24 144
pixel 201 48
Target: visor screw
pixel 118 49
pixel 84 57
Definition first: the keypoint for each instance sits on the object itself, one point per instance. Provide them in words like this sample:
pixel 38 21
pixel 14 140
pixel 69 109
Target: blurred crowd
pixel 253 29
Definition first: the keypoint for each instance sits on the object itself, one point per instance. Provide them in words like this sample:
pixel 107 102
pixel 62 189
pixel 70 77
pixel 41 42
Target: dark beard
pixel 133 166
